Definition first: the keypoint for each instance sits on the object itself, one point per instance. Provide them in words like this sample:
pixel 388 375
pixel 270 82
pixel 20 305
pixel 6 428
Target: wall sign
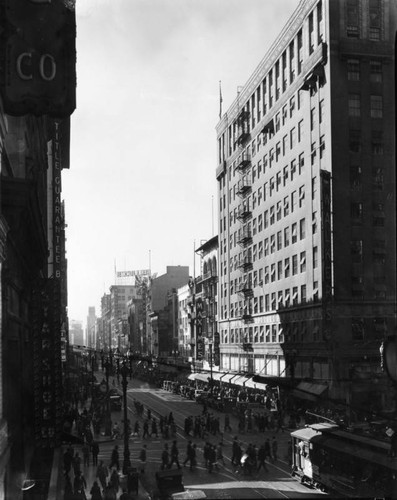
pixel 38 57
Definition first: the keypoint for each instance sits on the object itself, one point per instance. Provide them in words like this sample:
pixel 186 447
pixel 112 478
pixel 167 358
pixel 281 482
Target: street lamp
pixel 124 370
pixel 108 420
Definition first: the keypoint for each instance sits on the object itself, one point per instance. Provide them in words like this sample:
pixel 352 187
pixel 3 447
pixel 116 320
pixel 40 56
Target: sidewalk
pixel 57 481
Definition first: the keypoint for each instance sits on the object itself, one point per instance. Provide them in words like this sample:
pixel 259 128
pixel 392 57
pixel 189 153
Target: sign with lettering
pixel 38 54
pixel 199 329
pixel 326 253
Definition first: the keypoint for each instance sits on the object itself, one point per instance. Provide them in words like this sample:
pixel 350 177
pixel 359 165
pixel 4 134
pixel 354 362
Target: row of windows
pixel 276 82
pixel 356 178
pixel 376 143
pixel 354 70
pixel 375 106
pixel 357 214
pixel 354 16
pixel 270 302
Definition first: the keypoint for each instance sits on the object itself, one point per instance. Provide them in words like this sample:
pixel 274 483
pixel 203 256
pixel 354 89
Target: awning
pixel 241 380
pixel 228 376
pixel 309 391
pixel 199 376
pixel 255 385
pixel 216 376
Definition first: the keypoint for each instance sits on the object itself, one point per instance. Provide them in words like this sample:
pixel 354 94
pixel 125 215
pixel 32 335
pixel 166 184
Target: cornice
pixel 276 49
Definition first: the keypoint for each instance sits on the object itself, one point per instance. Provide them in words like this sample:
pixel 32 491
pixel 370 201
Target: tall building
pixel 120 295
pixel 76 333
pixel 306 185
pixel 91 327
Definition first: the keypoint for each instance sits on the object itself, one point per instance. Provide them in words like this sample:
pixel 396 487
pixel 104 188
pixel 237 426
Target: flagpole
pixel 220 99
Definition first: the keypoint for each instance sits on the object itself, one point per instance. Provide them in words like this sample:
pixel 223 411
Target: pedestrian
pixel 227 423
pixel 274 448
pixel 267 449
pixel 211 458
pixel 102 474
pixel 114 480
pixel 68 491
pixel 109 493
pixel 142 458
pixel 95 452
pixel 189 455
pixel 145 429
pixel 149 414
pixel 219 454
pixel 76 463
pixel 114 460
pixel 96 491
pixel 174 455
pixel 261 458
pixel 170 418
pixel 165 457
pixel 206 454
pixel 154 428
pixel 125 495
pixel 235 451
pixel 86 454
pixel 136 429
pixel 79 485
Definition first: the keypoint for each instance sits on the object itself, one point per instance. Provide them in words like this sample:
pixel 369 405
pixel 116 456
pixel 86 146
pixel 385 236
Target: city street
pixel 226 481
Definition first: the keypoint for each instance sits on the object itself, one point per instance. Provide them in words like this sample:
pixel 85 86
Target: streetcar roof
pixel 307 433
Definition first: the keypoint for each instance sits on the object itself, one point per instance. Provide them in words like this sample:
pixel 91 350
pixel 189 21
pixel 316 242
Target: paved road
pixel 225 482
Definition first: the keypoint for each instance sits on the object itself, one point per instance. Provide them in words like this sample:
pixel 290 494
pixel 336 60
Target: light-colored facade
pixel 306 184
pixel 91 333
pixel 120 295
pixel 184 333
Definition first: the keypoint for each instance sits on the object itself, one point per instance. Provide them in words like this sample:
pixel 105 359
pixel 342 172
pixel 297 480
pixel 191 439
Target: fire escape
pixel 244 215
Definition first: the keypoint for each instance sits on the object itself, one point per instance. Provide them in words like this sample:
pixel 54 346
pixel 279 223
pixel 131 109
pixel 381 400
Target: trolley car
pixel 334 460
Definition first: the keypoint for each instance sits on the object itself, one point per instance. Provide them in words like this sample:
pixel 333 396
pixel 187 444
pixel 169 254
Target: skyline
pixel 143 140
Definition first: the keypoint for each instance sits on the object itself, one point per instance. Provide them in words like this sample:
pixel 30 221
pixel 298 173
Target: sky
pixel 141 190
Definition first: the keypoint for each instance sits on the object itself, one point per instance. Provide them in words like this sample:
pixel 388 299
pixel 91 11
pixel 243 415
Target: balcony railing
pixel 245 288
pixel 245 237
pixel 244 186
pixel 245 263
pixel 244 161
pixel 244 212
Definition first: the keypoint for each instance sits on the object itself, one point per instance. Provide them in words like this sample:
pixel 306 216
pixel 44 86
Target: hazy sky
pixel 143 144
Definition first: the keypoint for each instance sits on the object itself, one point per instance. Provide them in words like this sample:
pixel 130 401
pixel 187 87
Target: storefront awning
pixel 199 376
pixel 255 385
pixel 309 391
pixel 228 377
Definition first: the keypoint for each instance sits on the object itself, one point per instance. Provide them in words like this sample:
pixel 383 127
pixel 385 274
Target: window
pixel 267 276
pixel 285 175
pixel 377 143
pixel 272 215
pixel 321 111
pixel 291 62
pixel 279 240
pixel 314 187
pixel 260 223
pixel 354 105
pixel 301 196
pixel 356 250
pixel 375 14
pixel 314 222
pixel 300 50
pixel 301 163
pixel 312 118
pixel 302 229
pixel 315 257
pixel 293 201
pixel 294 295
pixel 294 265
pixel 286 297
pixel 272 243
pixel 284 115
pixel 286 267
pixel 353 69
pixel 322 146
pixel 286 206
pixel 292 138
pixel 293 169
pixel 303 293
pixel 265 219
pixel 286 236
pixel 285 145
pixel 279 299
pixel 300 131
pixel 354 141
pixel 355 177
pixel 311 33
pixel 352 19
pixel 278 210
pixel 376 104
pixel 273 301
pixel 313 152
pixel 278 181
pixel 377 179
pixel 356 213
pixel 280 270
pixel 302 262
pixel 294 233
pixel 315 291
pixel 375 74
pixel 291 106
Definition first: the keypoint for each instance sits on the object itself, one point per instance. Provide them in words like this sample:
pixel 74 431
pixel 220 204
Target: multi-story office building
pixel 119 297
pixel 306 177
pixel 91 333
pixel 184 333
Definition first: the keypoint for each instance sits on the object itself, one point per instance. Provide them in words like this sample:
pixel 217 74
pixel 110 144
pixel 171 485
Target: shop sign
pixel 199 329
pixel 38 56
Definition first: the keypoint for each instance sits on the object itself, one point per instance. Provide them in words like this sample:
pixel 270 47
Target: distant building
pixel 159 303
pixel 307 221
pixel 76 333
pixel 91 328
pixel 184 329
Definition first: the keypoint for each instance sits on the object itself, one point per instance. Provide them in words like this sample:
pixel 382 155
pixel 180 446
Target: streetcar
pixel 337 461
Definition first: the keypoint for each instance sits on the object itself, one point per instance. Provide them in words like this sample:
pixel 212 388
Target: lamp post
pixel 124 370
pixel 108 421
pixel 212 380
